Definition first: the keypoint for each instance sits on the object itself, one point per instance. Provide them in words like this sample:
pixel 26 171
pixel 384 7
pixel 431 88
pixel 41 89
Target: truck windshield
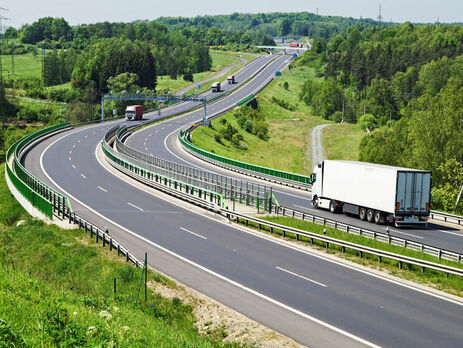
pixel 130 112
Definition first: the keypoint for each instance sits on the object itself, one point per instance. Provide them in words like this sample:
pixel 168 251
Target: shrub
pixel 188 77
pixel 261 130
pixel 248 126
pixel 286 85
pixel 218 138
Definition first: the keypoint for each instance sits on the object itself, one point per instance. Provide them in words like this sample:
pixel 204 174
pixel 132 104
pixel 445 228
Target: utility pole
pixel 380 18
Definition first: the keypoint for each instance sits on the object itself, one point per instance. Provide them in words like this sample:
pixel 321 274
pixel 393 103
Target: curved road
pixel 308 296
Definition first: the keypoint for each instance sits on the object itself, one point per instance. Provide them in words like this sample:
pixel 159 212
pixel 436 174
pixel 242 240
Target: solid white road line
pixel 197 235
pixel 448 232
pixel 299 276
pixel 73 166
pixel 82 175
pixel 102 189
pixel 133 205
pixel 407 234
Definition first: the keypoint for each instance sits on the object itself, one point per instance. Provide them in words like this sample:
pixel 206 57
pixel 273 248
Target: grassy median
pixel 452 284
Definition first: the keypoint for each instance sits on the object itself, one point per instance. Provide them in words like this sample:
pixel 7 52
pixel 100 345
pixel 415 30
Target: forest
pixel 271 24
pixel 404 85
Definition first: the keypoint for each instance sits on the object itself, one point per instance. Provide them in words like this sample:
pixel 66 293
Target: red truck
pixel 134 112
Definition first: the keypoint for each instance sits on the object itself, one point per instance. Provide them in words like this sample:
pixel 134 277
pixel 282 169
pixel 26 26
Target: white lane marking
pixel 70 151
pixel 93 133
pixel 73 166
pixel 86 136
pixel 197 235
pixel 407 234
pixel 73 146
pixel 150 134
pixel 82 175
pixel 133 205
pixel 102 189
pixel 78 141
pixel 146 149
pixel 297 275
pixel 144 143
pixel 69 158
pixel 146 139
pixel 442 231
pixel 251 291
pixel 300 206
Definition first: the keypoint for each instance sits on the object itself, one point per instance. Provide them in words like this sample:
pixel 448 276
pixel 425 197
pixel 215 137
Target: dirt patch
pixel 213 317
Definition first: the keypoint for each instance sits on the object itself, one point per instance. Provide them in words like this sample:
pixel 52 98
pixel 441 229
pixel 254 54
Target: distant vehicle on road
pixel 134 112
pixel 216 87
pixel 299 45
pixel 374 192
pixel 231 79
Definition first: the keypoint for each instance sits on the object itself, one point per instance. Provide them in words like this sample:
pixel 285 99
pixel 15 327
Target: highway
pixel 316 300
pixel 161 141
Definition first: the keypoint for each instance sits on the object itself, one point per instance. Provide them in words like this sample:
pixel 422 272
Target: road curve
pixel 298 292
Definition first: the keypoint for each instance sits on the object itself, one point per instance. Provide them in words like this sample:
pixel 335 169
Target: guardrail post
pixel 400 264
pixel 440 254
pixel 104 240
pixel 343 249
pixel 110 244
pixel 297 236
pixel 379 259
pixel 303 216
pixel 284 233
pixel 91 231
pixel 127 257
pixel 97 236
pixel 118 249
pixel 271 229
pixel 361 254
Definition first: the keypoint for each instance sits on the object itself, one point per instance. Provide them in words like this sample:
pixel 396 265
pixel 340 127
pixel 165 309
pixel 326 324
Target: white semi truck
pixel 374 192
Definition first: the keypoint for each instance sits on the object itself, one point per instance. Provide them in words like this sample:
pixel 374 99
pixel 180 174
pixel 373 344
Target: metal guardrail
pixel 446 217
pixel 343 244
pixel 382 237
pixel 239 191
pixel 142 171
pixel 301 181
pixel 40 195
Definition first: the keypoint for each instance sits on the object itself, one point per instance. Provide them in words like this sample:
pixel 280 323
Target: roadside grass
pixel 452 284
pixel 289 130
pixel 56 289
pixel 219 62
pixel 341 141
pixel 26 66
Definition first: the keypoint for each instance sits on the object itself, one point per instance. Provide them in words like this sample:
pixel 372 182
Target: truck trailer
pixel 134 112
pixel 374 192
pixel 216 87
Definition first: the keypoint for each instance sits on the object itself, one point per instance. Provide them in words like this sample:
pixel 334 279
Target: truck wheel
pixel 379 218
pixel 333 206
pixel 363 213
pixel 315 202
pixel 370 215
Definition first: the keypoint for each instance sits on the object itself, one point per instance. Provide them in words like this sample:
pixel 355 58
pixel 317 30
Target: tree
pixel 285 27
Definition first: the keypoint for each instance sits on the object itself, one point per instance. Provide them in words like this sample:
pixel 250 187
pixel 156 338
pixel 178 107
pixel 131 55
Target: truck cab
pixel 134 112
pixel 215 87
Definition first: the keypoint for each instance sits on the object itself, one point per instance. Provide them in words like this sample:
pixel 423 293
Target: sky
pixel 92 11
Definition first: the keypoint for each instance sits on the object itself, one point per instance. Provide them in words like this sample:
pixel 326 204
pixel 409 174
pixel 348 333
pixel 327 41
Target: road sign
pixel 278 73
